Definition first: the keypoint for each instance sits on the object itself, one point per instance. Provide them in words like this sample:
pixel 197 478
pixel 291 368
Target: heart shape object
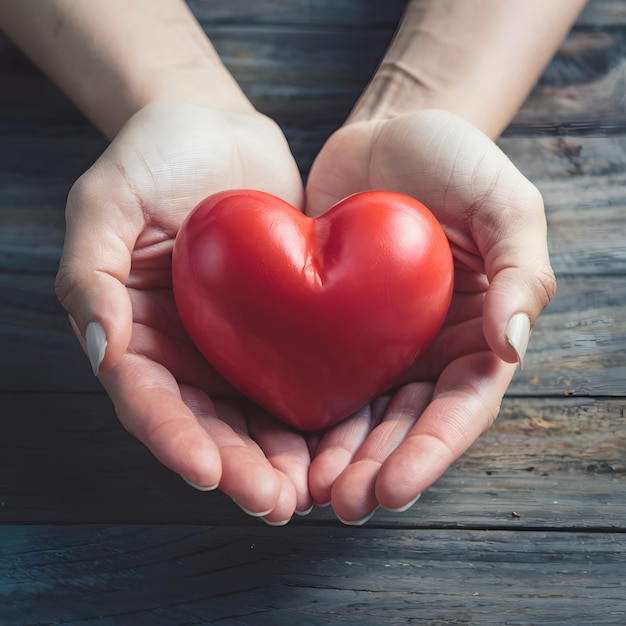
pixel 312 318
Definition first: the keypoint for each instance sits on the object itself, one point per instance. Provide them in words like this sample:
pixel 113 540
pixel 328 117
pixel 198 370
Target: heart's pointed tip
pixel 313 424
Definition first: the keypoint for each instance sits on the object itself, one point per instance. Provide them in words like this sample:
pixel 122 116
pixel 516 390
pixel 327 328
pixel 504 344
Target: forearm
pixel 476 58
pixel 113 57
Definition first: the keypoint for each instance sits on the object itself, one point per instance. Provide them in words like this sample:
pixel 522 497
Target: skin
pixel 180 129
pixel 456 388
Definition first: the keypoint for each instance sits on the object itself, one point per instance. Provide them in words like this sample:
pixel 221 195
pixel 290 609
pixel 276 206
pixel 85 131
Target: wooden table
pixel 527 528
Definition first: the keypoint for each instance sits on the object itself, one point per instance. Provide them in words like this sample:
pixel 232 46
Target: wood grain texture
pixel 197 575
pixel 528 527
pixel 578 346
pixel 559 462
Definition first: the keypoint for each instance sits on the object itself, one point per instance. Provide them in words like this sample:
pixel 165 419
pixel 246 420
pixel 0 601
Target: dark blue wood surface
pixel 529 527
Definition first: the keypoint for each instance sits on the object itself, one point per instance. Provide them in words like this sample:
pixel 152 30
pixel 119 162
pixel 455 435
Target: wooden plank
pixel 578 346
pixel 297 72
pixel 550 437
pixel 560 463
pixel 347 14
pixel 603 13
pixel 526 528
pixel 581 88
pixel 39 350
pixel 579 162
pixel 281 67
pixel 162 575
pixel 307 79
pixel 338 14
pixel 583 181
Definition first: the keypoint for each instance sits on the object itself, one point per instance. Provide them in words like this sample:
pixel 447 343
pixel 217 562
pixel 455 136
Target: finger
pixel 156 308
pixel 465 403
pixel 489 210
pixel 180 358
pixel 159 335
pixel 247 476
pixel 464 307
pixel 285 505
pixel 340 169
pixel 335 450
pixel 522 281
pixel 95 264
pixel 148 403
pixel 353 493
pixel 452 343
pixel 287 451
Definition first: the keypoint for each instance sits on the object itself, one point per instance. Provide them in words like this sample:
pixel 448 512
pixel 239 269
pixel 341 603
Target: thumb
pixel 94 267
pixel 521 280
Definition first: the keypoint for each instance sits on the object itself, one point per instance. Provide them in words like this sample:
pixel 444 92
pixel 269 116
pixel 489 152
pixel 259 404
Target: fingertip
pixel 337 448
pixel 403 508
pixel 297 473
pixel 103 336
pixel 285 506
pixel 250 480
pixel 190 453
pixel 91 280
pixel 515 300
pixel 96 340
pixel 250 512
pixel 357 522
pixel 353 494
pixel 305 512
pixel 191 483
pixel 324 470
pixel 411 469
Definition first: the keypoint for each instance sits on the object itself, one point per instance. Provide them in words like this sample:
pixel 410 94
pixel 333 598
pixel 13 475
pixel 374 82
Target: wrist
pixel 394 90
pixel 478 59
pixel 184 68
pixel 205 83
pixel 113 58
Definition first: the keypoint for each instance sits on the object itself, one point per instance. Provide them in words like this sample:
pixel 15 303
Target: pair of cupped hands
pixel 124 213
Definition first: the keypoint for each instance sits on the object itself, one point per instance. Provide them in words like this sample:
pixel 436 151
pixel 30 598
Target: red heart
pixel 312 318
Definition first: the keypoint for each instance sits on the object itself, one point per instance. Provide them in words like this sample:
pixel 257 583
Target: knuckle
pixel 546 286
pixel 65 286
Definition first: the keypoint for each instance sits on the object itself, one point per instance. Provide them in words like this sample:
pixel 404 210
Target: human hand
pixel 389 452
pixel 122 218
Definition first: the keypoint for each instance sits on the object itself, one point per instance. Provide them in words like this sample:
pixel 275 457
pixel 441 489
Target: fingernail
pixel 305 512
pixel 518 334
pixel 358 522
pixel 96 345
pixel 196 486
pixel 281 523
pixel 406 507
pixel 252 513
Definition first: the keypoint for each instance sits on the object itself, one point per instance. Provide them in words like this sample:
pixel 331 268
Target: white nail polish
pixel 518 334
pixel 252 513
pixel 96 345
pixel 198 487
pixel 358 522
pixel 281 523
pixel 305 512
pixel 406 507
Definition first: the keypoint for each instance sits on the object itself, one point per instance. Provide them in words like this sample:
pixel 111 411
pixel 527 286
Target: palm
pixel 167 163
pixel 452 170
pixel 161 165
